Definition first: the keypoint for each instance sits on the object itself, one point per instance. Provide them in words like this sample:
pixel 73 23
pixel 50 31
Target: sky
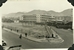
pixel 29 5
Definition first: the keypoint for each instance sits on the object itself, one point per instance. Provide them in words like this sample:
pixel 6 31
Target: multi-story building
pixel 35 18
pixel 40 18
pixel 28 18
pixel 45 18
pixel 64 19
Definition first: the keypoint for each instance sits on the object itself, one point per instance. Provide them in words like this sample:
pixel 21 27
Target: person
pixel 26 34
pixel 17 30
pixel 20 36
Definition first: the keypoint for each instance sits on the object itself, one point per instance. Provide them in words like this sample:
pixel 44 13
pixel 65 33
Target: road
pixel 13 39
pixel 67 35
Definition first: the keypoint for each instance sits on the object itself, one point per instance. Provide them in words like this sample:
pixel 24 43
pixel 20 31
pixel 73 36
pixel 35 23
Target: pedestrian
pixel 26 34
pixel 17 30
pixel 20 36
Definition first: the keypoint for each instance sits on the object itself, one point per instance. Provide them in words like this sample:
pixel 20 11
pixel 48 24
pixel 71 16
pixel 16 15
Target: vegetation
pixel 61 25
pixel 7 20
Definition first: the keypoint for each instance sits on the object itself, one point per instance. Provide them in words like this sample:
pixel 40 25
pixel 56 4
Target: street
pixel 13 39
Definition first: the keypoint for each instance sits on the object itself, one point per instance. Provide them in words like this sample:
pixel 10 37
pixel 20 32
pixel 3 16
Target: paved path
pixel 65 34
pixel 58 39
pixel 28 37
pixel 13 39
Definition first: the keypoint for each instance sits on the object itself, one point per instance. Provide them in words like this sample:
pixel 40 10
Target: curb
pixel 37 40
pixel 58 35
pixel 28 37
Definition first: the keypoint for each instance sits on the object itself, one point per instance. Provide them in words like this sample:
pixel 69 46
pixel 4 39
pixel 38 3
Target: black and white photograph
pixel 37 24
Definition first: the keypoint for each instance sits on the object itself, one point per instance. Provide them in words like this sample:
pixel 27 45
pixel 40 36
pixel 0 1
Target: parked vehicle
pixel 4 43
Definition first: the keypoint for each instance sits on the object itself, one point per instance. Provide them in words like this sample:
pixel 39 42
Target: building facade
pixel 35 18
pixel 64 19
pixel 44 18
pixel 28 18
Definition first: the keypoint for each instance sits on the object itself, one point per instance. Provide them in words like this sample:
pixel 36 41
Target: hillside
pixel 67 12
pixel 38 12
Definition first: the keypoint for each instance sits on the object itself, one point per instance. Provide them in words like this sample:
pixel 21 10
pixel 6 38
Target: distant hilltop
pixel 67 12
